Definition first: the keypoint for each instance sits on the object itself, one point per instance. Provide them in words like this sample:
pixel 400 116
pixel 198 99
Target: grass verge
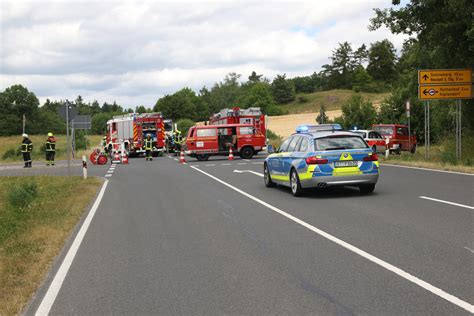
pixel 10 144
pixel 37 214
pixel 442 157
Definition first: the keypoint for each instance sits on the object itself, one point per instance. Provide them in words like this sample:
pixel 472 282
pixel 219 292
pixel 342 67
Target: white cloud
pixel 136 51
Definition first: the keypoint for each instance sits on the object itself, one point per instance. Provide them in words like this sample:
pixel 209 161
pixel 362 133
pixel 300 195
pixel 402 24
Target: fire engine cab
pixel 132 129
pixel 205 141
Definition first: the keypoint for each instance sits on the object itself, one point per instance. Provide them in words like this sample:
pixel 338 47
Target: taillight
pixel 371 157
pixel 316 161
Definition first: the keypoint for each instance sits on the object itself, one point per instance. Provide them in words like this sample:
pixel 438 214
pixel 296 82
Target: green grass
pixel 332 100
pixel 37 214
pixel 10 144
pixel 442 156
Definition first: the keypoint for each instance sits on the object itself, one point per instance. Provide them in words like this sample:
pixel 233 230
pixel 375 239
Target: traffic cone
pixel 124 158
pixel 116 158
pixel 231 154
pixel 181 157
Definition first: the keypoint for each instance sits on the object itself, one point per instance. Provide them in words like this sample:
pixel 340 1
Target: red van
pixel 211 140
pixel 398 137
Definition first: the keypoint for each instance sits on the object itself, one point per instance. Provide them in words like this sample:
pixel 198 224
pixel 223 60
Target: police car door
pixel 274 160
pixel 287 158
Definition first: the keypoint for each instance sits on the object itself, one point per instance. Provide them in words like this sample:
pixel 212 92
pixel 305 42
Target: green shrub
pixel 20 196
pixel 302 99
pixel 11 153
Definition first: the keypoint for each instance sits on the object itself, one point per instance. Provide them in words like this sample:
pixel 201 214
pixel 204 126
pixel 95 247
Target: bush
pixel 11 153
pixel 184 125
pixel 20 196
pixel 275 111
pixel 302 99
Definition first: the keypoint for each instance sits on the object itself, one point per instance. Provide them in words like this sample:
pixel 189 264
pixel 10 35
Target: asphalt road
pixel 169 239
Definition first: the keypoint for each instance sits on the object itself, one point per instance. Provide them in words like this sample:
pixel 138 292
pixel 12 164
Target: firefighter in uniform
pixel 26 149
pixel 50 149
pixel 148 147
pixel 178 140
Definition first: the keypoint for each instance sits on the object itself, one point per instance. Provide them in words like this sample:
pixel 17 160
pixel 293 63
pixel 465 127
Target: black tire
pixel 398 151
pixel 295 184
pixel 413 149
pixel 367 188
pixel 246 153
pixel 202 157
pixel 267 178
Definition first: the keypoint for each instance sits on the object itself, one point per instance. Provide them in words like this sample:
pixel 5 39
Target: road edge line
pixel 428 169
pixel 53 290
pixel 407 276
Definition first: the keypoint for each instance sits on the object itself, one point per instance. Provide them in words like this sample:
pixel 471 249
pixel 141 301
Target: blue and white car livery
pixel 320 156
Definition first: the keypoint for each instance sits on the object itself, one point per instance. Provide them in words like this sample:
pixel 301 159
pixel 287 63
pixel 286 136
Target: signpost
pixel 446 92
pixel 67 112
pixel 444 84
pixel 409 127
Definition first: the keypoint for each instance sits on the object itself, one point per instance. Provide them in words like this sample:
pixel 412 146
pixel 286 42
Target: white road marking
pixel 175 159
pixel 428 169
pixel 249 171
pixel 226 164
pixel 446 202
pixel 257 163
pixel 52 293
pixel 427 286
pixel 241 163
pixel 210 165
pixel 108 175
pixel 246 160
pixel 110 171
pixel 469 249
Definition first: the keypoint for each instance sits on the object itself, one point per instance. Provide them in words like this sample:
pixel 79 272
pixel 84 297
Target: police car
pixel 319 156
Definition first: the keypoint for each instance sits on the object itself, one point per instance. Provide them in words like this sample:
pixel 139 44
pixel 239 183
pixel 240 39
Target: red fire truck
pixel 205 141
pixel 236 115
pixel 132 129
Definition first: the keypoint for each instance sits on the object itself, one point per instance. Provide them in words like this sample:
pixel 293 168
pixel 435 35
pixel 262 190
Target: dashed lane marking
pixel 257 163
pixel 226 164
pixel 407 276
pixel 110 171
pixel 241 163
pixel 469 249
pixel 210 165
pixel 446 202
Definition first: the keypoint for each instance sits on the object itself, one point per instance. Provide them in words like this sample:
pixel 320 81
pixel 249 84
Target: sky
pixel 134 52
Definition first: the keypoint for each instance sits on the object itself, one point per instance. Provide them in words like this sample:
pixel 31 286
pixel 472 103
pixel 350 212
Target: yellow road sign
pixel 447 76
pixel 445 92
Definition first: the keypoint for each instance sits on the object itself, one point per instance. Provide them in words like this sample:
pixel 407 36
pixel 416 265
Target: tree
pixel 303 84
pixel 382 59
pixel 141 109
pixel 181 104
pixel 259 96
pixel 342 66
pixel 322 118
pixel 358 112
pixel 362 80
pixel 361 55
pixel 283 90
pixel 254 77
pixel 15 102
pixel 441 36
pixel 184 125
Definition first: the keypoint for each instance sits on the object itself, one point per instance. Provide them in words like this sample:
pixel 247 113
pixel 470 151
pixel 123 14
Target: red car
pixel 373 138
pixel 205 141
pixel 399 139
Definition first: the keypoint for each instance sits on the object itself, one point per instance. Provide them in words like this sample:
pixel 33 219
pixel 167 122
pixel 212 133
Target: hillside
pixel 332 100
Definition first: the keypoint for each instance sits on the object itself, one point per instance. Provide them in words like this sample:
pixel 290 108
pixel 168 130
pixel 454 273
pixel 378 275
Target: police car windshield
pixel 339 143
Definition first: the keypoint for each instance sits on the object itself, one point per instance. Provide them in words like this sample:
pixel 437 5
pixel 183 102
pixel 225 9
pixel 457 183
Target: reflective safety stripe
pixel 346 171
pixel 148 144
pixel 281 178
pixel 308 174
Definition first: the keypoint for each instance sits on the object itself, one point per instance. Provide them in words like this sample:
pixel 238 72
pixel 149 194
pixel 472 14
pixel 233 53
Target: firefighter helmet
pixel 50 134
pixel 25 135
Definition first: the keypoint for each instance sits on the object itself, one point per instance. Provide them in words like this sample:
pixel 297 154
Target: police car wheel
pixel 266 177
pixel 367 188
pixel 295 184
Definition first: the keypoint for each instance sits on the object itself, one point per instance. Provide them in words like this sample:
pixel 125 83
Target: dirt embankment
pixel 285 125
